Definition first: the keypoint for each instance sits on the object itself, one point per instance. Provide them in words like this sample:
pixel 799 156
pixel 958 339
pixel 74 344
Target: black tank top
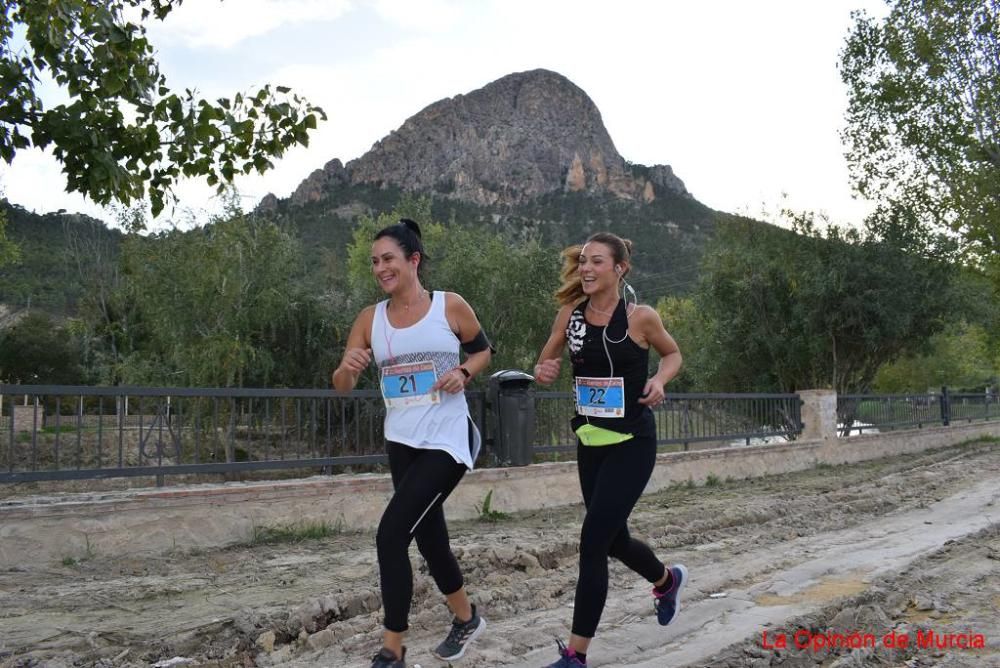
pixel 631 362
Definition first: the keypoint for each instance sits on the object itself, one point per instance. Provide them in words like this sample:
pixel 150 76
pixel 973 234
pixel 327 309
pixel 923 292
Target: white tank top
pixel 442 426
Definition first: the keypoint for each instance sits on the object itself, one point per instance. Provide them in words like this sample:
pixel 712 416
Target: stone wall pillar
pixel 24 418
pixel 819 415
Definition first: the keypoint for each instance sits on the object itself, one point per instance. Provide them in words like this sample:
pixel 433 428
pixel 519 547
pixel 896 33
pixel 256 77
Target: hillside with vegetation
pixel 266 298
pixel 47 273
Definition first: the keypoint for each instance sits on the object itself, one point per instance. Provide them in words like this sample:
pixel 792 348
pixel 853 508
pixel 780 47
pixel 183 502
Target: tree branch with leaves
pixel 124 135
pixel 923 121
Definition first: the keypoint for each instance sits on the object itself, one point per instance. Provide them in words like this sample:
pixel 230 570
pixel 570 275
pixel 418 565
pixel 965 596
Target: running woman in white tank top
pixel 428 346
pixel 415 337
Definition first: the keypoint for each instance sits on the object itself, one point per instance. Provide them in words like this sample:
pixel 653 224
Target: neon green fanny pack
pixel 596 436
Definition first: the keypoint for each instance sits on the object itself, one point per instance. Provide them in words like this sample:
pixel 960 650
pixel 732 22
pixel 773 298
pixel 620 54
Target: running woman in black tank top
pixel 609 338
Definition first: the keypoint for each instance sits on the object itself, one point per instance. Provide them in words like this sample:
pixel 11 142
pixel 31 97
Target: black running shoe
pixel 386 659
pixel 460 636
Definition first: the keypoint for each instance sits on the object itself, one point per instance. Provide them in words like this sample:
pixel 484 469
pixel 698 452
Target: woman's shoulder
pixel 568 316
pixel 452 300
pixel 644 314
pixel 363 325
pixel 566 311
pixel 644 311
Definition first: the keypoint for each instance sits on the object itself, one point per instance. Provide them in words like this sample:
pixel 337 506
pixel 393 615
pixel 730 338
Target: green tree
pixel 923 122
pixel 9 252
pixel 107 316
pixel 123 134
pixel 791 310
pixel 960 357
pixel 691 330
pixel 222 305
pixel 509 281
pixel 36 350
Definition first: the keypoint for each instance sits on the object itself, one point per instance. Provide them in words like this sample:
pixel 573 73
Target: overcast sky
pixel 742 99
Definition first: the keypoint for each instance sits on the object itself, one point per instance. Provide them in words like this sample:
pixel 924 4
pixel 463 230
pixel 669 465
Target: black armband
pixel 478 344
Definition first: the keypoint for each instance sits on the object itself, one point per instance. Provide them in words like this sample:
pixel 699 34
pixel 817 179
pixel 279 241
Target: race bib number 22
pixel 600 397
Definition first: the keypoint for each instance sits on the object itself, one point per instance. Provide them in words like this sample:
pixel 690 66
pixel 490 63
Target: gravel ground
pixel 316 602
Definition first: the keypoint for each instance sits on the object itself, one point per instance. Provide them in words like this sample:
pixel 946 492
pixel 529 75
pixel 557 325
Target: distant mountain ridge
pixel 48 274
pixel 520 137
pixel 526 155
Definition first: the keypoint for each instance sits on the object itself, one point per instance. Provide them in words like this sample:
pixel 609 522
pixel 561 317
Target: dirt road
pixel 908 546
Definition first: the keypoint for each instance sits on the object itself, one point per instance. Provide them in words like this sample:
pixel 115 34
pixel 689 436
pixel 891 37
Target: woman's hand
pixel 357 352
pixel 652 394
pixel 547 371
pixel 451 382
pixel 356 360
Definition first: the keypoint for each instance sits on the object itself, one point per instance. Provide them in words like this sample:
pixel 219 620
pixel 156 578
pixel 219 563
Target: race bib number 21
pixel 406 385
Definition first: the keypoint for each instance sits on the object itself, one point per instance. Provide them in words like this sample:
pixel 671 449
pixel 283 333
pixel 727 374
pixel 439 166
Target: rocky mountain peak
pixel 523 135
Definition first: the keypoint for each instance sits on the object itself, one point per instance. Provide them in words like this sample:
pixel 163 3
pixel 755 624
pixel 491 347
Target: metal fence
pixel 882 412
pixel 966 407
pixel 97 432
pixel 684 419
pixel 71 432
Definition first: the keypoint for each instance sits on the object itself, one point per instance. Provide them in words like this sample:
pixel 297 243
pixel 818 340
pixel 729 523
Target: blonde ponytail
pixel 571 290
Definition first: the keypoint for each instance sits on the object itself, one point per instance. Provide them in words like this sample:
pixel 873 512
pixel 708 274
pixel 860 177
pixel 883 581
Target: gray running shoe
pixel 460 637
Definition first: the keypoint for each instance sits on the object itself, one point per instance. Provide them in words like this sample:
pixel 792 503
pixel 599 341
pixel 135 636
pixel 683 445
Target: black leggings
pixel 423 479
pixel 612 478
